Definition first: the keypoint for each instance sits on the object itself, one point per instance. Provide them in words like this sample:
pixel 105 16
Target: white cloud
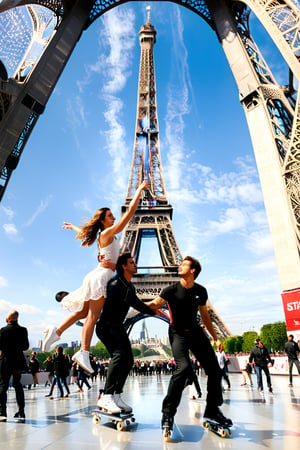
pixel 232 219
pixel 10 229
pixel 259 243
pixel 40 209
pixel 8 212
pixel 3 282
pixel 5 306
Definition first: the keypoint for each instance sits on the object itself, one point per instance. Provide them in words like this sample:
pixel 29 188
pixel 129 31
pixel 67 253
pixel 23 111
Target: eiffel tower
pixel 153 217
pixel 27 80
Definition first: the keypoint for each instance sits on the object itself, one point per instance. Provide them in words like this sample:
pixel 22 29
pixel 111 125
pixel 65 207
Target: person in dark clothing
pixel 13 341
pixel 261 358
pixel 184 300
pixel 291 348
pixel 61 371
pixel 49 367
pixel 110 330
pixel 34 368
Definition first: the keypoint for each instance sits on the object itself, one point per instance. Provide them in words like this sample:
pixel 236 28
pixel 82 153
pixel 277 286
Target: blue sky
pixel 79 155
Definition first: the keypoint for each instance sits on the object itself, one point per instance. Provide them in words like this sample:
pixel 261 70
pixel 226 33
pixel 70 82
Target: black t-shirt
pixel 183 304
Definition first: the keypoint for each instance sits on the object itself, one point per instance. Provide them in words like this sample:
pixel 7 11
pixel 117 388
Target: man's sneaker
pixel 3 418
pixel 50 337
pixel 121 404
pixel 20 417
pixel 217 416
pixel 83 359
pixel 167 422
pixel 108 403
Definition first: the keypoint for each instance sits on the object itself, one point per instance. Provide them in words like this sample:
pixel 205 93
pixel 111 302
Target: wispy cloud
pixel 178 103
pixel 8 212
pixel 40 209
pixel 3 282
pixel 118 38
pixel 76 116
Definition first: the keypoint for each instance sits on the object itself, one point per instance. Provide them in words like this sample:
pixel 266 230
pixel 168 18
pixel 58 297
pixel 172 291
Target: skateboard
pixel 121 420
pixel 221 430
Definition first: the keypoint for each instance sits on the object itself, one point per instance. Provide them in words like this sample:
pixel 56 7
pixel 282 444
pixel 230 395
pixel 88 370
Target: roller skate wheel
pixel 119 426
pixel 223 433
pixel 132 419
pixel 206 424
pixel 96 419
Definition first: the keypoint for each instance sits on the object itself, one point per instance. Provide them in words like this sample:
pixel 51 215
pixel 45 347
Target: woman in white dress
pixel 87 301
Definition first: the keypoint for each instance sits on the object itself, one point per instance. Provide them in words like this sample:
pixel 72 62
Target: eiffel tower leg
pixel 255 99
pixel 28 100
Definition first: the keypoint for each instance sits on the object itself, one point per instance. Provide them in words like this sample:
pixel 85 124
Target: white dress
pixel 95 282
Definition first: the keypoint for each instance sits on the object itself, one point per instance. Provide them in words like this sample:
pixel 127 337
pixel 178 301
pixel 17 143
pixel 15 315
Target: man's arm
pixel 157 303
pixel 208 323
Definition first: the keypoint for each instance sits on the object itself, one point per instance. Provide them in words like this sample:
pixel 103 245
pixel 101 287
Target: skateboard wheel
pixel 119 426
pixel 96 419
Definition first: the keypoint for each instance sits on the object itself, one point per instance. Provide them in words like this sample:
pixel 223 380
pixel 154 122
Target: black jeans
pixel 291 363
pixel 115 339
pixel 196 341
pixel 5 373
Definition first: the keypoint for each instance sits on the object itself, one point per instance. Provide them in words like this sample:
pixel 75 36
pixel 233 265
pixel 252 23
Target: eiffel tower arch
pixel 272 111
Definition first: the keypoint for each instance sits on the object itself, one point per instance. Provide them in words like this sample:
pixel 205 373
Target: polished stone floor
pixel 67 424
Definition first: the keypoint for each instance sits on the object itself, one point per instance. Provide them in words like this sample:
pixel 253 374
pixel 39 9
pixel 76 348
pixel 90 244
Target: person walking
pixel 110 330
pixel 61 371
pixel 87 301
pixel 184 300
pixel 13 342
pixel 34 368
pixel 222 360
pixel 291 348
pixel 259 355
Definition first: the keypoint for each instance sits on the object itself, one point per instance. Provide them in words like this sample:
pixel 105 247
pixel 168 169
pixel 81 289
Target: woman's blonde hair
pixel 89 230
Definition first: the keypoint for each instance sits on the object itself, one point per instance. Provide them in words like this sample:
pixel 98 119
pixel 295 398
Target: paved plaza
pixel 67 423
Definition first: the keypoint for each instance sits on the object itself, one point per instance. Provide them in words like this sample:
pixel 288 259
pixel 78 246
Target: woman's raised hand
pixel 70 226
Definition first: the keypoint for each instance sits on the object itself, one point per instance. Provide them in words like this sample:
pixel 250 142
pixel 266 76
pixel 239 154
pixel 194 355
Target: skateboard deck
pixel 221 430
pixel 121 420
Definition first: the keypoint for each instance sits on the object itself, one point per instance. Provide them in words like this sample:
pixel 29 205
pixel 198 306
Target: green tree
pixel 136 352
pixel 248 340
pixel 266 335
pixel 233 344
pixel 279 336
pixel 100 351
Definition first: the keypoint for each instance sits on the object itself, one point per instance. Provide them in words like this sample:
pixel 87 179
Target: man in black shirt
pixel 110 330
pixel 260 355
pixel 291 348
pixel 184 300
pixel 13 341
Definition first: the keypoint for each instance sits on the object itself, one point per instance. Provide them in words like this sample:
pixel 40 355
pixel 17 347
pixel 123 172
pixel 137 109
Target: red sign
pixel 291 306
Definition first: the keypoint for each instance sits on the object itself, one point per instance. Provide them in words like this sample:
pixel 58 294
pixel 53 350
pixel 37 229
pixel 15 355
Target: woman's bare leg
pixel 73 318
pixel 95 308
